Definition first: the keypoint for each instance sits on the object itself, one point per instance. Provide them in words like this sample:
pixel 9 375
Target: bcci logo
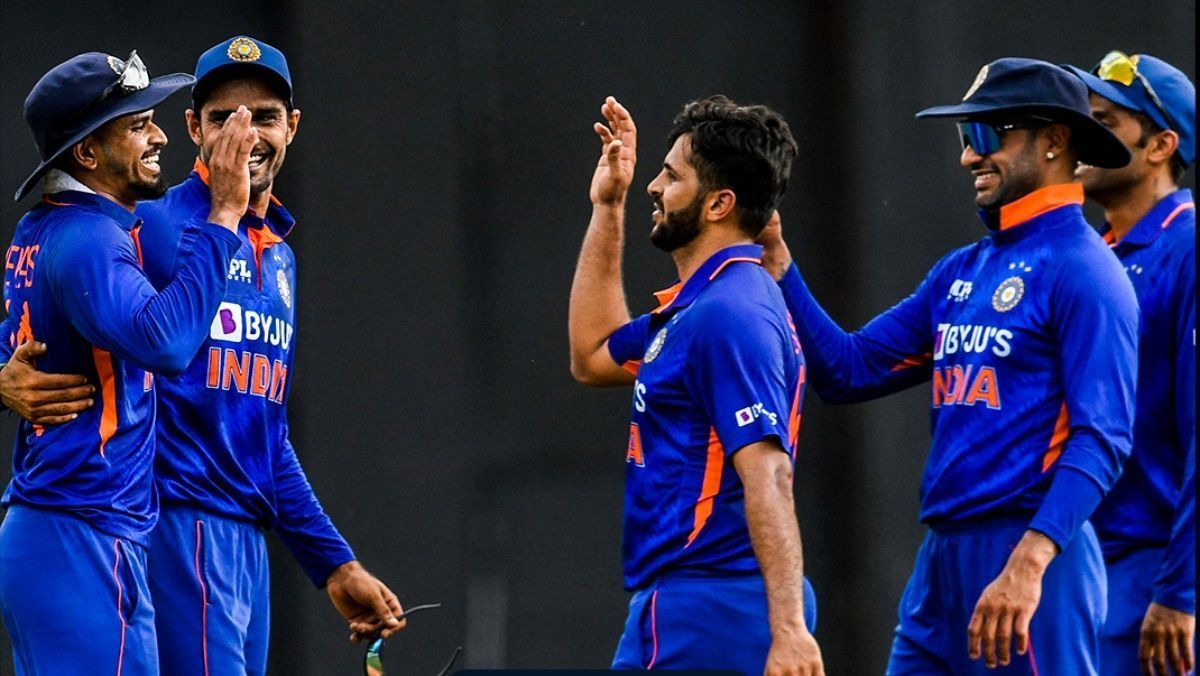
pixel 1008 294
pixel 656 346
pixel 243 49
pixel 227 325
pixel 285 289
pixel 979 80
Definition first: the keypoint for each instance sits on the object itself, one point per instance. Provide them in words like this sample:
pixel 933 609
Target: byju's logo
pixel 749 414
pixel 959 291
pixel 227 325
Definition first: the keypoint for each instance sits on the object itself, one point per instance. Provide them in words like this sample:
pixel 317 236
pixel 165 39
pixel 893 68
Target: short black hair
pixel 748 149
pixel 239 71
pixel 1150 128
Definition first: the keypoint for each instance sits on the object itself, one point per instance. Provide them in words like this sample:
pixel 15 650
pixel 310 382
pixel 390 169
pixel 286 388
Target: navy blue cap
pixel 79 96
pixel 1173 88
pixel 1033 87
pixel 238 56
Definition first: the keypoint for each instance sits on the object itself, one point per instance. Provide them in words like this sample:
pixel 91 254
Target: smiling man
pixel 226 469
pixel 82 504
pixel 1033 375
pixel 1147 527
pixel 711 545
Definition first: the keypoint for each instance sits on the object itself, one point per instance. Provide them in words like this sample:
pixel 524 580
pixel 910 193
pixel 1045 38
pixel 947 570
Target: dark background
pixel 440 180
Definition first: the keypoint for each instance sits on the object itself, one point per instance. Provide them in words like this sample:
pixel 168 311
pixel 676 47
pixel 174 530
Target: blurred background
pixel 440 181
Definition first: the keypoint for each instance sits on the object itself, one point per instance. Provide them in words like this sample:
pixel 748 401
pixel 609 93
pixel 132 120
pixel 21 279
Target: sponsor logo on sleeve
pixel 745 416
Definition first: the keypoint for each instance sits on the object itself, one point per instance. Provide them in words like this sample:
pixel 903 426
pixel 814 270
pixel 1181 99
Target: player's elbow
pixel 583 373
pixel 167 363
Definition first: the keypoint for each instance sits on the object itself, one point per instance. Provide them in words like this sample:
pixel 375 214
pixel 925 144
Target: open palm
pixel 614 171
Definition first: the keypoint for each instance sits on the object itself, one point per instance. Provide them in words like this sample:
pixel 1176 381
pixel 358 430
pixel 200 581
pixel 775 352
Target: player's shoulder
pixel 174 209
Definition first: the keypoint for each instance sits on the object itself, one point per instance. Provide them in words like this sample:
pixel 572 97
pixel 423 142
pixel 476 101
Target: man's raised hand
pixel 614 172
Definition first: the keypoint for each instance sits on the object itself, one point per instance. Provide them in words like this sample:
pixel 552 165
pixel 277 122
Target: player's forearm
pixel 775 536
pixel 597 305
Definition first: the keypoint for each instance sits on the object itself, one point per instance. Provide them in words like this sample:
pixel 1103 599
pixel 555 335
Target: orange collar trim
pixel 1039 202
pixel 667 296
pixel 201 170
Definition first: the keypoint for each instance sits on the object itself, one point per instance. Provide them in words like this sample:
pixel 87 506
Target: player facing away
pixel 1030 339
pixel 81 504
pixel 711 546
pixel 222 484
pixel 1147 525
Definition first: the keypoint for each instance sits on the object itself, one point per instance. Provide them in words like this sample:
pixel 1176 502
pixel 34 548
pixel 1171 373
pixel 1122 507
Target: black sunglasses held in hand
pixel 373 660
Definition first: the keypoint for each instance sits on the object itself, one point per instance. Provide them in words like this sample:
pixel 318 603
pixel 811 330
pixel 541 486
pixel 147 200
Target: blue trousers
pixel 210 579
pixel 690 621
pixel 75 601
pixel 951 572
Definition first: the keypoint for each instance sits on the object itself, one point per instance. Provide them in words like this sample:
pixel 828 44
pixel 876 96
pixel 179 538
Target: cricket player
pixel 1147 525
pixel 1030 338
pixel 81 504
pixel 711 545
pixel 226 469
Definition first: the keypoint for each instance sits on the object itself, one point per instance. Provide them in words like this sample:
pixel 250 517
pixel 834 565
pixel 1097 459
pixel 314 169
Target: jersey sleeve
pixel 627 344
pixel 101 287
pixel 1097 339
pixel 1176 584
pixel 891 353
pixel 736 370
pixel 301 522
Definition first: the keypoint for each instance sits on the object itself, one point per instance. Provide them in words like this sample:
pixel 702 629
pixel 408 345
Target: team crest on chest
pixel 1008 294
pixel 656 346
pixel 285 289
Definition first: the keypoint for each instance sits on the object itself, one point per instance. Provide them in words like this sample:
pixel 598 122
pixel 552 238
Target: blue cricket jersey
pixel 718 367
pixel 1150 501
pixel 223 444
pixel 1030 339
pixel 73 279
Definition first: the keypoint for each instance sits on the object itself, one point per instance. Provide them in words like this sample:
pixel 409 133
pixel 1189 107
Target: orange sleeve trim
pixel 1062 429
pixel 632 366
pixel 714 466
pixel 136 236
pixel 794 418
pixel 1178 210
pixel 1039 202
pixel 108 396
pixel 914 360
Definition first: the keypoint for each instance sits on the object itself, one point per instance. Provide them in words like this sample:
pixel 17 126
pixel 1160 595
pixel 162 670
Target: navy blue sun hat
pixel 1149 86
pixel 1019 86
pixel 80 95
pixel 237 57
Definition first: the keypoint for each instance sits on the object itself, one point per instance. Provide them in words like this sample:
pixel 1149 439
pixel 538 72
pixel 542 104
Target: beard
pixel 148 190
pixel 677 228
pixel 1020 179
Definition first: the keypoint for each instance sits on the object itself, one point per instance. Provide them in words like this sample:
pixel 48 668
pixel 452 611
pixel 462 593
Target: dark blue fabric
pixel 1151 506
pixel 686 622
pixel 211 576
pixel 720 368
pixel 223 444
pixel 82 291
pixel 75 600
pixel 950 574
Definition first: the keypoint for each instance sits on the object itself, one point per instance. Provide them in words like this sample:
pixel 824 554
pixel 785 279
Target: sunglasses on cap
pixel 984 138
pixel 1117 66
pixel 132 76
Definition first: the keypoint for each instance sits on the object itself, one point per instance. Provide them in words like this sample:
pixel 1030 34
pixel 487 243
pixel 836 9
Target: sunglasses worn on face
pixel 985 138
pixel 1120 67
pixel 373 660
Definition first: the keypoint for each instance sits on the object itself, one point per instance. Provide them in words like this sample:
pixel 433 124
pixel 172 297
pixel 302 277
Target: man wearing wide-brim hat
pixel 81 503
pixel 1029 337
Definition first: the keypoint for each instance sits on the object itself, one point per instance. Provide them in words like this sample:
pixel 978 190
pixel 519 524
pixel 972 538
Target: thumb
pixel 28 351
